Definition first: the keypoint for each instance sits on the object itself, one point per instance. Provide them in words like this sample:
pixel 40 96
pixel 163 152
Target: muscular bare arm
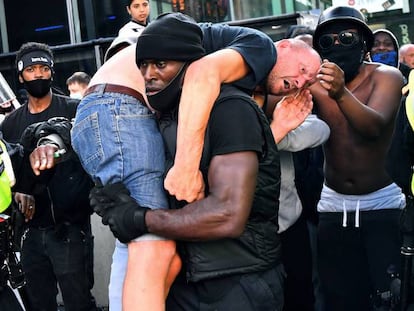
pixel 201 87
pixel 223 213
pixel 372 109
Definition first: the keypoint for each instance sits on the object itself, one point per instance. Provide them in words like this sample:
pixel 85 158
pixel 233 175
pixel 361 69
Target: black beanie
pixel 172 36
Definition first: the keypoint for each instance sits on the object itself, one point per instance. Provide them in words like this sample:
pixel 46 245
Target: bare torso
pixel 121 69
pixel 354 158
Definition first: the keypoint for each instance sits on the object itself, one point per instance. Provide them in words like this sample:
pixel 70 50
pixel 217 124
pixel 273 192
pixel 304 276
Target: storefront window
pixel 202 10
pixel 251 9
pixel 218 10
pixel 40 20
pixel 101 18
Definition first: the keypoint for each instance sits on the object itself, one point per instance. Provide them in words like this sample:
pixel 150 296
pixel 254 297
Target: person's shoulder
pixel 13 121
pixel 15 114
pixel 385 73
pixel 233 29
pixel 64 104
pixel 236 102
pixel 131 28
pixel 378 68
pixel 66 99
pixel 229 92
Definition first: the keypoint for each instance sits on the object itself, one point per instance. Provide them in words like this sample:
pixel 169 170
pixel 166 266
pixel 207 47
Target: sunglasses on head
pixel 345 38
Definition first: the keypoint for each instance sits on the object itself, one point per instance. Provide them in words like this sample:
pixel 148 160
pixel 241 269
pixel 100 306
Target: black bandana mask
pixel 349 59
pixel 167 99
pixel 38 88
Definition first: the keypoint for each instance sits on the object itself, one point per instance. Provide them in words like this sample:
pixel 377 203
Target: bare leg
pixel 152 267
pixel 175 267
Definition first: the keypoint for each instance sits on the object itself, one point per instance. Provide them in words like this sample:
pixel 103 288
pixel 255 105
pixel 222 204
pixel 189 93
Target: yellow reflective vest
pixel 6 178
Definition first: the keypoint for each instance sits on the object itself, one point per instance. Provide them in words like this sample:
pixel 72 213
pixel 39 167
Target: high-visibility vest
pixel 7 179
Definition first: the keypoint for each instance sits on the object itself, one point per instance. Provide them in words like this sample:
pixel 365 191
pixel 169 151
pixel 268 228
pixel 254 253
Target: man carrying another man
pixel 163 83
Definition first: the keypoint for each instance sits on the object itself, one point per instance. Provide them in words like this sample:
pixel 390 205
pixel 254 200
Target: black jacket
pixel 61 194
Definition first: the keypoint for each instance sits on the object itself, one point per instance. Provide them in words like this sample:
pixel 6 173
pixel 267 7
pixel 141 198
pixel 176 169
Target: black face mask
pixel 38 88
pixel 167 99
pixel 348 58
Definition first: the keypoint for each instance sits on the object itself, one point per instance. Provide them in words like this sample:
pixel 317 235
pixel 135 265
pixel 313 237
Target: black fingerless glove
pixel 33 133
pixel 125 217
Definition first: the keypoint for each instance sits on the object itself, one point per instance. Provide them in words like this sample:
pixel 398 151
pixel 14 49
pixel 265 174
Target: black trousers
pixel 8 300
pixel 354 262
pixel 247 292
pixel 297 260
pixel 51 257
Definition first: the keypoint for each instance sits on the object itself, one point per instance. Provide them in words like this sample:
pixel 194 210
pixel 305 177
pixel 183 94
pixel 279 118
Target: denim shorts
pixel 117 140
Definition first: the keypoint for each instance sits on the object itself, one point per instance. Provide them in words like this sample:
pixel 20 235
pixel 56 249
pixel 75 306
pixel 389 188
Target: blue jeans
pixel 58 254
pixel 117 139
pixel 118 272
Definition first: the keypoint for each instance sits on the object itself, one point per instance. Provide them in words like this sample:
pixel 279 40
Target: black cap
pixel 172 36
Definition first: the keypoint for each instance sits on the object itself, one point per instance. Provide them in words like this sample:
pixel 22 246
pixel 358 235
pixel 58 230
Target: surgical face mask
pixel 167 99
pixel 38 88
pixel 76 95
pixel 387 58
pixel 348 58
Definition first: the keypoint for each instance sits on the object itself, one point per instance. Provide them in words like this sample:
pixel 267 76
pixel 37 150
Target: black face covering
pixel 348 58
pixel 167 99
pixel 38 88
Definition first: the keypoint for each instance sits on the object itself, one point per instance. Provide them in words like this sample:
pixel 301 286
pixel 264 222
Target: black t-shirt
pixel 15 123
pixel 256 48
pixel 234 127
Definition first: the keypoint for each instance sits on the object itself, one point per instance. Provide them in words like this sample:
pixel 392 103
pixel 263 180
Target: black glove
pixel 57 125
pixel 125 217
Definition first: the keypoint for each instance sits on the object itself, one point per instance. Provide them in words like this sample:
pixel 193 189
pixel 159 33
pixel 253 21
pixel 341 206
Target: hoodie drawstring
pixel 344 220
pixel 345 215
pixel 357 215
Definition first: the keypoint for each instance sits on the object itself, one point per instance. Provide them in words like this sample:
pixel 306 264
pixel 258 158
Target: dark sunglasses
pixel 345 38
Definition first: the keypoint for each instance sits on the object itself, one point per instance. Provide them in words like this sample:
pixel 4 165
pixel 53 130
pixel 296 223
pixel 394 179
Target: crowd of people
pixel 280 186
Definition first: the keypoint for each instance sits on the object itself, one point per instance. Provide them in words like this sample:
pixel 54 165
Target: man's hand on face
pixel 290 112
pixel 119 210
